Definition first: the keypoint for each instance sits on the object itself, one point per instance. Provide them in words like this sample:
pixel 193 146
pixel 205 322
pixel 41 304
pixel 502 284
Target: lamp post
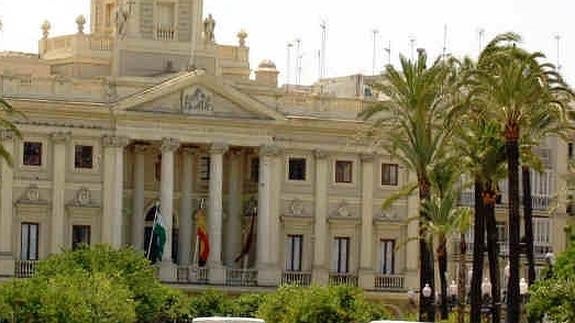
pixel 524 293
pixel 550 261
pixel 486 306
pixel 426 291
pixel 507 273
pixel 452 293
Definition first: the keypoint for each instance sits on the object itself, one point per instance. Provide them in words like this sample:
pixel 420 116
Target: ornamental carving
pixel 270 151
pixel 196 101
pixel 115 141
pixel 296 207
pixel 32 193
pixel 169 144
pixel 83 197
pixel 343 209
pixel 218 148
pixel 6 134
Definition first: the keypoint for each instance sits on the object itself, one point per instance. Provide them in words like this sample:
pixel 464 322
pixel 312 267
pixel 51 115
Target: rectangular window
pixel 294 250
pixel 386 257
pixel 110 13
pixel 166 16
pixel 32 155
pixel 255 170
pixel 205 168
pixel 570 150
pixel 343 171
pixel 541 236
pixel 80 235
pixel 340 255
pixel 389 174
pixel 83 156
pixel 29 241
pixel 296 169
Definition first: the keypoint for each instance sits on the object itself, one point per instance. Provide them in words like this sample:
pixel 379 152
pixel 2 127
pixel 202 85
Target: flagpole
pixel 153 227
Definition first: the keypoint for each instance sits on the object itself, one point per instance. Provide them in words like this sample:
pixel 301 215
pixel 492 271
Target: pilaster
pixel 6 206
pixel 113 189
pixel 412 246
pixel 320 264
pixel 216 270
pixel 233 228
pixel 366 266
pixel 57 221
pixel 138 216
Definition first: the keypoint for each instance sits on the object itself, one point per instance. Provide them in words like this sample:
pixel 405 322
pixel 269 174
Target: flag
pixel 158 237
pixel 249 239
pixel 203 238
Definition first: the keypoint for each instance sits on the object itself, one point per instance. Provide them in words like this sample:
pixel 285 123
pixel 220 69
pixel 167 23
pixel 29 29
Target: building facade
pixel 148 110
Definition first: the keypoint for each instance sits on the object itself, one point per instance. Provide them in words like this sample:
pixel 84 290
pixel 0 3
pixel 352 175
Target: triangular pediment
pixel 198 95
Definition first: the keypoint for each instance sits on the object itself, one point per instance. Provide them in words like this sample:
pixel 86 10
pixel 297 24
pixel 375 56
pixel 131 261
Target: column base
pixel 269 275
pixel 366 279
pixel 217 274
pixel 168 271
pixel 320 276
pixel 7 266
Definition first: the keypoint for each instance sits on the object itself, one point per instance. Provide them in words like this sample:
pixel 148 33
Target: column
pixel 267 252
pixel 366 268
pixel 320 256
pixel 113 188
pixel 6 206
pixel 169 145
pixel 186 212
pixel 57 223
pixel 216 270
pixel 138 216
pixel 233 228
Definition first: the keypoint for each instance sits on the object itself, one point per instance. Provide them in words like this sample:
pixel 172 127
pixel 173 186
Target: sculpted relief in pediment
pixel 196 100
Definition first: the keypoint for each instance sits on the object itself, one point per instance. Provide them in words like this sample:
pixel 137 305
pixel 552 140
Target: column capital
pixel 218 148
pixel 60 137
pixel 270 151
pixel 7 134
pixel 320 154
pixel 367 157
pixel 169 145
pixel 115 141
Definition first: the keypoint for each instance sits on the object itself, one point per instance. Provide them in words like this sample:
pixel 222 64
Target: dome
pixel 267 64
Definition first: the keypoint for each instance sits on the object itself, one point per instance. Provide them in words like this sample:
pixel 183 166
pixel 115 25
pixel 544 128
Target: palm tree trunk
pixel 442 264
pixel 528 223
pixel 478 253
pixel 512 150
pixel 462 279
pixel 427 273
pixel 493 256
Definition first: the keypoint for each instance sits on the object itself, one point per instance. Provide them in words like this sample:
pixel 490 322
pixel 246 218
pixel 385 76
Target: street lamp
pixel 523 287
pixel 426 291
pixel 550 261
pixel 486 307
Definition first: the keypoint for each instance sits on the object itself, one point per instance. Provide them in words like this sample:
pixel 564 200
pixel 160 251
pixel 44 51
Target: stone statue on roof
pixel 209 27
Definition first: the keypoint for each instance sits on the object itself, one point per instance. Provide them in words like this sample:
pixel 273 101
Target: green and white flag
pixel 158 237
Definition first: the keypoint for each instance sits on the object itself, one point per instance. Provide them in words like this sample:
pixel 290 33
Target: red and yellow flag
pixel 203 238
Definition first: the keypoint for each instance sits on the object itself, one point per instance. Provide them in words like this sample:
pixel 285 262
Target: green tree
pixel 211 303
pixel 409 124
pixel 7 111
pixel 247 305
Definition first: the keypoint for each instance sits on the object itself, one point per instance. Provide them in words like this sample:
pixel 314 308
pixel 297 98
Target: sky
pixel 272 24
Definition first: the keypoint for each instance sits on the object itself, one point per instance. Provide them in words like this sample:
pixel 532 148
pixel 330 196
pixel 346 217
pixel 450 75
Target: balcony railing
pixel 25 268
pixel 540 250
pixel 389 282
pixel 165 32
pixel 343 279
pixel 467 198
pixel 193 274
pixel 241 277
pixel 298 278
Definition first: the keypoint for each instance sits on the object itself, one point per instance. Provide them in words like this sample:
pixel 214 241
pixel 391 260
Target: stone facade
pixel 147 110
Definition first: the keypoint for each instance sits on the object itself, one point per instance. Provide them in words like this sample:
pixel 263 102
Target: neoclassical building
pixel 147 109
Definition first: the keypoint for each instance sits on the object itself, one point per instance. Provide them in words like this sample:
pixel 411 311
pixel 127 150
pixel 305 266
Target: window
pixel 294 251
pixel 570 150
pixel 29 241
pixel 541 236
pixel 80 236
pixel 108 19
pixel 386 257
pixel 32 155
pixel 83 156
pixel 255 170
pixel 205 168
pixel 389 174
pixel 166 14
pixel 296 169
pixel 340 255
pixel 343 171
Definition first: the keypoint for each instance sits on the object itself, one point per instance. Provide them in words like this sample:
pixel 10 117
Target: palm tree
pixel 7 110
pixel 510 81
pixel 414 108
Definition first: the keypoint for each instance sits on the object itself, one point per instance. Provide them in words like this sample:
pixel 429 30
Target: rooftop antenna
pixel 480 34
pixel 412 46
pixel 323 26
pixel 298 61
pixel 388 51
pixel 288 67
pixel 374 63
pixel 444 41
pixel 558 40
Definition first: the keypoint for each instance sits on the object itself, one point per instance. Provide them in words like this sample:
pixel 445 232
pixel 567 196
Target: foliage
pixel 319 304
pixel 6 111
pixel 210 303
pixel 555 296
pixel 111 274
pixel 247 305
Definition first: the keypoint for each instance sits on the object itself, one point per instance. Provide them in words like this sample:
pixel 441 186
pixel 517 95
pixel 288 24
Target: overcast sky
pixel 271 24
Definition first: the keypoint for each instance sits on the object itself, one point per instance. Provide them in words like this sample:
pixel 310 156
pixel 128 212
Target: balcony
pixel 193 274
pixel 241 277
pixel 165 32
pixel 25 268
pixel 348 279
pixel 389 282
pixel 298 278
pixel 540 250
